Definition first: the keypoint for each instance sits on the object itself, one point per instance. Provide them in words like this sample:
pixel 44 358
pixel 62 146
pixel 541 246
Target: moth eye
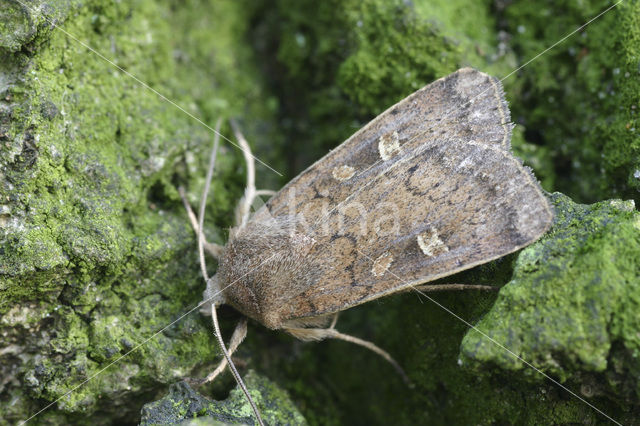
pixel 343 173
pixel 389 145
pixel 381 264
pixel 431 244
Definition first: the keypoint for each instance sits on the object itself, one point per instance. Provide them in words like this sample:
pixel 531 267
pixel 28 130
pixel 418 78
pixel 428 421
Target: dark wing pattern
pixel 448 208
pixel 465 105
pixel 425 190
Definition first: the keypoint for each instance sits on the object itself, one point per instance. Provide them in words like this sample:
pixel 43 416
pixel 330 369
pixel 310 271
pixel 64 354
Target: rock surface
pixel 182 404
pixel 97 257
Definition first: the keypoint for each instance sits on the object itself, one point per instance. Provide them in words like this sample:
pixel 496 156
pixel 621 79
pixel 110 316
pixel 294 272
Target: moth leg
pixel 213 249
pixel 203 267
pixel 243 210
pixel 334 320
pixel 316 334
pixel 446 287
pixel 266 192
pixel 244 206
pixel 236 338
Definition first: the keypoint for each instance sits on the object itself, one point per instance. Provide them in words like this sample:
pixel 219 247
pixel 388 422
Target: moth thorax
pixel 262 267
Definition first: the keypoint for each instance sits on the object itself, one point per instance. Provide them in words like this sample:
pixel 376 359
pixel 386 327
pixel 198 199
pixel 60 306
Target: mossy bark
pixel 97 256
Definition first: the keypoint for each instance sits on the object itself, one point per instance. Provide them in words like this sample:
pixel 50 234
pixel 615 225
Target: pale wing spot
pixel 343 173
pixel 381 264
pixel 467 162
pixel 431 244
pixel 389 145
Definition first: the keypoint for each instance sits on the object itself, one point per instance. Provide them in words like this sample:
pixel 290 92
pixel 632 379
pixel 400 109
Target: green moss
pixel 20 22
pixel 338 67
pixel 96 253
pixel 581 98
pixel 183 403
pixel 571 306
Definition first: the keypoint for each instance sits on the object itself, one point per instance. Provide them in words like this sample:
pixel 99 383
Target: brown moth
pixel 427 189
pixel 441 156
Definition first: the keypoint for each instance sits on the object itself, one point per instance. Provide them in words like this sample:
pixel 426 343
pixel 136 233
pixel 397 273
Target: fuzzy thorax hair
pixel 262 266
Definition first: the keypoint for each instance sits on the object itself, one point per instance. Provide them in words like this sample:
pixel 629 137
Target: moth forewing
pixel 455 197
pixel 454 216
pixel 465 105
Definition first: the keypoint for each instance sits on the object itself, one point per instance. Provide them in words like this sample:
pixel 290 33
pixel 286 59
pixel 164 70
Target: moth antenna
pixel 244 208
pixel 203 266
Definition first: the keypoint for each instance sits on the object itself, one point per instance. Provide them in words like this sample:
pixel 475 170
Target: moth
pixel 427 189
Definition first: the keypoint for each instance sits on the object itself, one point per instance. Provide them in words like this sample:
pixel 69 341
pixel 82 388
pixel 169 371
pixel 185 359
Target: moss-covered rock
pixel 96 254
pixel 581 99
pixel 571 307
pixel 338 64
pixel 183 403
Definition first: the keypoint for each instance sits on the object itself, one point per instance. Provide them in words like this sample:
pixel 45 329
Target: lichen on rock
pixel 96 253
pixel 571 307
pixel 97 256
pixel 183 403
